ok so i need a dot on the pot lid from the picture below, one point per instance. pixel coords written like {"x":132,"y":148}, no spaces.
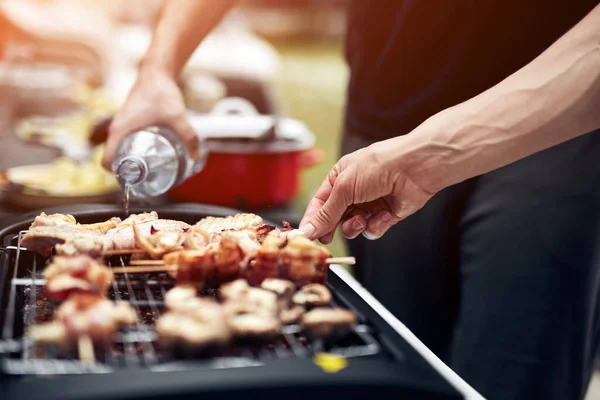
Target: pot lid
{"x":234,"y":126}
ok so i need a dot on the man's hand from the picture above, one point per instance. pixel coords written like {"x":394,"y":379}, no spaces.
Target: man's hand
{"x":155,"y":99}
{"x":367,"y":192}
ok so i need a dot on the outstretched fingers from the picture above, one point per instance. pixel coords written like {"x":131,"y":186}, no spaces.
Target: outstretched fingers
{"x":326,"y":208}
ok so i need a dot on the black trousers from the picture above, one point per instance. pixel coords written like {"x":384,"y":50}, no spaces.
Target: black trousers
{"x":499,"y":275}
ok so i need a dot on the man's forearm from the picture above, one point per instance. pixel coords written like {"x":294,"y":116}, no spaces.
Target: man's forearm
{"x":182,"y":26}
{"x":551,"y":100}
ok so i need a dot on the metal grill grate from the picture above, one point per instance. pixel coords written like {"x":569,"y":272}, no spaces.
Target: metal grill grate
{"x":25,"y":305}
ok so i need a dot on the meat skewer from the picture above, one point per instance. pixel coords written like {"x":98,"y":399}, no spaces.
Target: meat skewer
{"x":158,"y":243}
{"x":67,"y":275}
{"x":69,"y":238}
{"x":330,"y":260}
{"x":85,"y":348}
{"x":81,"y":315}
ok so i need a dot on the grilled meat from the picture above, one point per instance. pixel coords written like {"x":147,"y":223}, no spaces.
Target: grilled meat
{"x":67,"y":275}
{"x":69,"y":238}
{"x":303,"y":261}
{"x":217,"y":262}
{"x":42,"y":239}
{"x":235,"y":222}
{"x":85,"y":314}
{"x":66,"y":220}
{"x":159,"y":243}
{"x":123,"y":235}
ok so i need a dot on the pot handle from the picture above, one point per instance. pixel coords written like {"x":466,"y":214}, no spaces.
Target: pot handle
{"x":234,"y":105}
{"x":312,"y":157}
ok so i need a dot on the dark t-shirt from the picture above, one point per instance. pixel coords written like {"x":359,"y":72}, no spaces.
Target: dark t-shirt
{"x":410,"y":59}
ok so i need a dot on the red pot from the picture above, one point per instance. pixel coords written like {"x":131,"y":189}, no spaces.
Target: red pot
{"x":248,"y":180}
{"x":245,"y":170}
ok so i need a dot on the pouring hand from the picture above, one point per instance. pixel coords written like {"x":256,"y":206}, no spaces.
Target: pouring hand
{"x":155,"y":99}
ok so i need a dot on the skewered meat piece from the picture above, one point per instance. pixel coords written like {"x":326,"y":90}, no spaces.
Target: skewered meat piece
{"x":287,"y":232}
{"x":123,"y":235}
{"x":53,"y":220}
{"x":197,"y":238}
{"x":236,"y":222}
{"x":312,"y":295}
{"x":247,"y":320}
{"x":193,"y":267}
{"x":191,"y":321}
{"x":158,"y":243}
{"x":101,"y":227}
{"x":140,"y":218}
{"x":42,"y":239}
{"x":85,"y":314}
{"x":246,"y":238}
{"x":303,"y":261}
{"x":69,"y":238}
{"x":217,"y":262}
{"x":328,"y":323}
{"x":66,"y":275}
{"x":66,"y":220}
{"x":288,"y":235}
{"x":260,"y":232}
{"x":266,"y":263}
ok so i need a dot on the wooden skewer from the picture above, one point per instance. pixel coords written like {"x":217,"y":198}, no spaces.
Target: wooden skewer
{"x":123,"y":252}
{"x":146,"y":262}
{"x":149,"y":266}
{"x":86,"y":350}
{"x":332,"y":260}
{"x":341,"y":260}
{"x":143,"y":269}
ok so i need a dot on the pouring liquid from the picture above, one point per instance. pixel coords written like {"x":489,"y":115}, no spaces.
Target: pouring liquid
{"x":126,"y":197}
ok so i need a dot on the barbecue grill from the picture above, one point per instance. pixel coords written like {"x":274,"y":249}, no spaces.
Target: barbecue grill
{"x":380,"y":354}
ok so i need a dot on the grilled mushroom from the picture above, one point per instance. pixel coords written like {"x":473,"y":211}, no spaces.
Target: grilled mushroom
{"x":246,"y":320}
{"x":192,"y":322}
{"x":328,"y":323}
{"x":312,"y":295}
{"x":178,"y":297}
{"x":234,"y":290}
{"x":284,"y":289}
{"x":291,"y":315}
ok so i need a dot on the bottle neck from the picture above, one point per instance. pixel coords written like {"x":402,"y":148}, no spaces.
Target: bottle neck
{"x":131,"y":170}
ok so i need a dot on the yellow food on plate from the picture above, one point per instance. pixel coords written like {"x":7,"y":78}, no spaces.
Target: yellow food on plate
{"x":65,"y":177}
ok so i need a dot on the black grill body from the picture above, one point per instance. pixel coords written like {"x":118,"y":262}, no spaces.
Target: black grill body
{"x":380,"y":361}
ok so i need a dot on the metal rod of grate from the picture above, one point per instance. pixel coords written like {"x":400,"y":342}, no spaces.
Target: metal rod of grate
{"x":139,"y":343}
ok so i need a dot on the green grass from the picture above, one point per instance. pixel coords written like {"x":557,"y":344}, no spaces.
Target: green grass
{"x":312,"y":88}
